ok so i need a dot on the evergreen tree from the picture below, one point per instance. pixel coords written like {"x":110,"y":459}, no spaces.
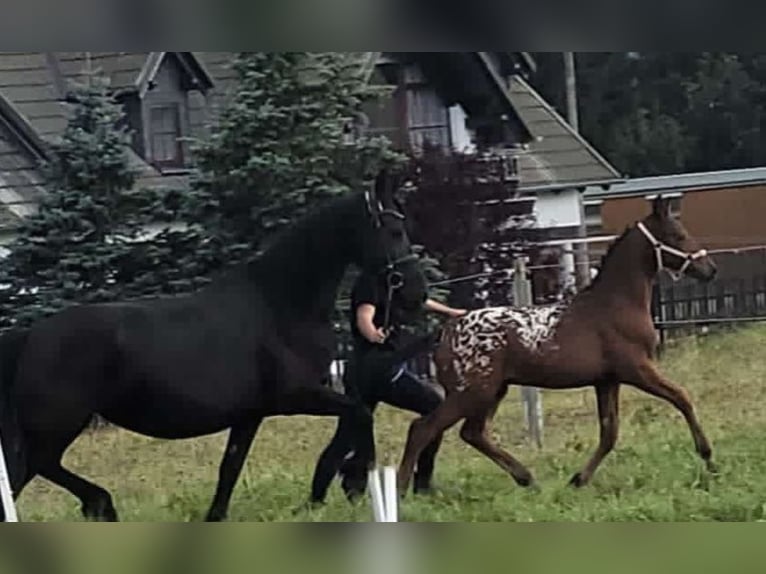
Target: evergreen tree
{"x":662,"y":113}
{"x":72,"y":248}
{"x":280,"y":147}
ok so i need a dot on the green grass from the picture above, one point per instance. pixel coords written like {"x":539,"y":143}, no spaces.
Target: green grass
{"x":653,"y":475}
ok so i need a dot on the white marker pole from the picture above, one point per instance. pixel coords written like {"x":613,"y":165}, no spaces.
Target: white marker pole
{"x":384,"y":497}
{"x":376,"y":493}
{"x":389,"y":492}
{"x":9,"y":507}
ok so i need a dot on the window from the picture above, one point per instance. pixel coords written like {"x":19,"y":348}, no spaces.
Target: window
{"x":428,"y":118}
{"x":675,"y":206}
{"x":593,"y":218}
{"x":164,"y":134}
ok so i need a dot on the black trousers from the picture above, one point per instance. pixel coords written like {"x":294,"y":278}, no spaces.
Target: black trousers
{"x":374,"y":379}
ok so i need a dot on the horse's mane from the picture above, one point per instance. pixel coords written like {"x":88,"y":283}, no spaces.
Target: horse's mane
{"x":326,"y":216}
{"x":605,"y":258}
{"x":279,"y":250}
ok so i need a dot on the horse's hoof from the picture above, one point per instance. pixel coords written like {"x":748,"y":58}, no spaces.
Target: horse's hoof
{"x":712,"y":467}
{"x":427,"y":490}
{"x":308,"y":506}
{"x":527,"y":481}
{"x":101,"y":511}
{"x":578,"y":481}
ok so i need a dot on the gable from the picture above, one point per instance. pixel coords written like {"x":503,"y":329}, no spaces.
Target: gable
{"x":558,"y":157}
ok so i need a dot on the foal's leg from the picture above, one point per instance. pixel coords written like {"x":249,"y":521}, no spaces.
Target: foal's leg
{"x":476,"y":433}
{"x":412,"y":394}
{"x":237,"y":448}
{"x":608,"y":417}
{"x":426,"y":429}
{"x":647,"y":378}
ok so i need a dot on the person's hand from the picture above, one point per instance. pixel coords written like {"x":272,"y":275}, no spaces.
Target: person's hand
{"x":378,"y":336}
{"x":457,"y":313}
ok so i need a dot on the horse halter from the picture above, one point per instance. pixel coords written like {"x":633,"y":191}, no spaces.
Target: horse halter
{"x":376,"y":211}
{"x":394,"y":282}
{"x":660,"y":248}
{"x":394,"y":278}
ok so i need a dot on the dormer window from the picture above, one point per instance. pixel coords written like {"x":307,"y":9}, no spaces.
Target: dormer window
{"x":165,"y":107}
{"x":165,"y":147}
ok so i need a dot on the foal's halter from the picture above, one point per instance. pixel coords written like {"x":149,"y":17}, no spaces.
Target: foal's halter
{"x":660,"y":248}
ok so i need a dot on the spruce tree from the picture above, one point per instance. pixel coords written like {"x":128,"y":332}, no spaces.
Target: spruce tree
{"x":71,"y":249}
{"x":280,"y":147}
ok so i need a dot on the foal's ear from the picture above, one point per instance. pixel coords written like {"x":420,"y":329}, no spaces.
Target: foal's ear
{"x":661,"y":207}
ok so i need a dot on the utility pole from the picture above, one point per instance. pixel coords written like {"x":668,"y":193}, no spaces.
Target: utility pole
{"x":582,"y":261}
{"x":571,"y":89}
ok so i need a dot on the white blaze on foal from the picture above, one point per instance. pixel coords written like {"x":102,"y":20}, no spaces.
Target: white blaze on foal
{"x":479,"y":333}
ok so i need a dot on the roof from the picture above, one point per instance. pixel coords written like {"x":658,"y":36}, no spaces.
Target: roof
{"x":681,"y":182}
{"x":21,"y":182}
{"x":558,"y":157}
{"x":33,"y":88}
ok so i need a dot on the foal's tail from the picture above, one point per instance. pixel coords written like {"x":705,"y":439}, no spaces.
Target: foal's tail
{"x":11,"y":346}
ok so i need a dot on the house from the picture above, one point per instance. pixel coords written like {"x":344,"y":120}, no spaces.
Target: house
{"x":458,"y":100}
{"x":167,"y":96}
{"x":724,"y":209}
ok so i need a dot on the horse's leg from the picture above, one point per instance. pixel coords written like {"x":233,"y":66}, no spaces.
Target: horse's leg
{"x":47,"y":442}
{"x":322,"y":401}
{"x":237,"y":448}
{"x":331,"y":460}
{"x":475,"y":432}
{"x":96,"y":501}
{"x":646,"y":377}
{"x":426,"y":429}
{"x":608,"y":397}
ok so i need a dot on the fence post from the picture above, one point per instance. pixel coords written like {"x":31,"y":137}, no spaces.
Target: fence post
{"x":530,"y":396}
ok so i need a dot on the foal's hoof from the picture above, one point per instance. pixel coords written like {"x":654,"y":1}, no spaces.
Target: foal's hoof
{"x":578,"y":481}
{"x":712,"y":467}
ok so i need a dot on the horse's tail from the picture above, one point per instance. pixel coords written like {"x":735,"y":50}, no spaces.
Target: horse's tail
{"x":11,"y":346}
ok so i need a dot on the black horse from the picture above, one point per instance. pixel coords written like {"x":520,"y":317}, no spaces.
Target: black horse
{"x":257,"y":342}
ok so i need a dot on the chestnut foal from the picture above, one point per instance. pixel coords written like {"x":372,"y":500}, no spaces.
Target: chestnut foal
{"x":603,"y":338}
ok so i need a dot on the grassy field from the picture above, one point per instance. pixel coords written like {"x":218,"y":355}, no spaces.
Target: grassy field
{"x":653,"y":475}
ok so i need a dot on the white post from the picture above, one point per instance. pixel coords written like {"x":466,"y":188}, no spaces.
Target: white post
{"x":389,"y":493}
{"x":568,"y":267}
{"x":376,"y":494}
{"x":383,"y":496}
{"x":530,"y":396}
{"x":9,"y":507}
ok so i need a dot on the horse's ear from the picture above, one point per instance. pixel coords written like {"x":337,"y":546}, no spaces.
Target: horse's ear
{"x":382,"y":185}
{"x":661,"y":207}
